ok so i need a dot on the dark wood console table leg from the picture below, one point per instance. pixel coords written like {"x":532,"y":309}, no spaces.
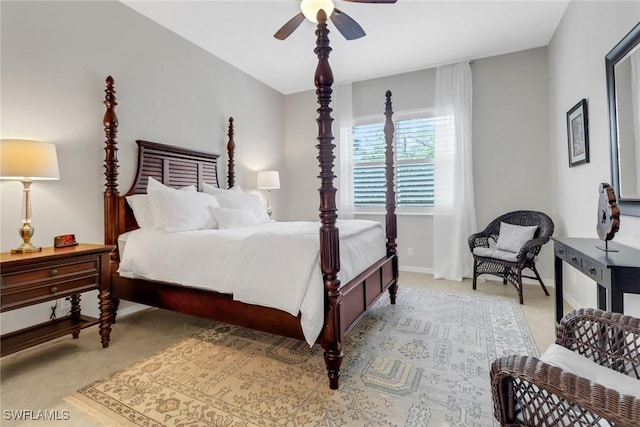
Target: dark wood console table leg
{"x":558,"y":279}
{"x":602,"y":298}
{"x":615,"y":298}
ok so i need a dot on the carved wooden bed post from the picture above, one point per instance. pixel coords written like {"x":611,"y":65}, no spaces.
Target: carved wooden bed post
{"x":111,"y":208}
{"x":111,"y":194}
{"x":391,"y":227}
{"x":332,"y":337}
{"x":231,"y":148}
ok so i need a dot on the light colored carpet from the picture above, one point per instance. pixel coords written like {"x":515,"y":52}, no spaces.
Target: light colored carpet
{"x":424,"y":361}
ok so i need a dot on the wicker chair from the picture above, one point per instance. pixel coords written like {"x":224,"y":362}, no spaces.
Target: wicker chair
{"x":510,"y":267}
{"x":529,"y":392}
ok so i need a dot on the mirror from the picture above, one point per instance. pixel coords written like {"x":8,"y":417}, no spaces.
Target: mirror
{"x":623,"y":93}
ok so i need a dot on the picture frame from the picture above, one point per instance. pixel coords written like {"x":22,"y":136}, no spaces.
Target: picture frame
{"x":578,"y":134}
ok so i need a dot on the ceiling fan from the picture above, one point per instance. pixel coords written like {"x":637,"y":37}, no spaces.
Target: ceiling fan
{"x":349,"y":28}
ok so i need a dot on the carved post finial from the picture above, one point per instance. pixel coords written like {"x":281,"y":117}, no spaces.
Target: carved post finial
{"x":110,"y":122}
{"x":231,"y":148}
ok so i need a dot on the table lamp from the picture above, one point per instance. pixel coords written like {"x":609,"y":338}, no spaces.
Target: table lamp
{"x":27,"y":161}
{"x":268,"y":180}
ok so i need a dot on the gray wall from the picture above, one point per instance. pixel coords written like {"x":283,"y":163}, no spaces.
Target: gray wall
{"x":55,"y":58}
{"x":510,"y":139}
{"x":587,"y":32}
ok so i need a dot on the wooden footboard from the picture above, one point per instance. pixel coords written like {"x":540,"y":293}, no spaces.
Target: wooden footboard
{"x":363,"y":291}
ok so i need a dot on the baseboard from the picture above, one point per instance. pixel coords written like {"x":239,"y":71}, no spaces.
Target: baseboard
{"x":571,"y":301}
{"x":549,"y":283}
{"x":131,"y":309}
{"x":411,"y":269}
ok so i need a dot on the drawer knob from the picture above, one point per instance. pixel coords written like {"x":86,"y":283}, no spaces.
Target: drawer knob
{"x":560,"y":251}
{"x":574,"y":258}
{"x":53,"y":272}
{"x":53,"y":289}
{"x":592,"y":270}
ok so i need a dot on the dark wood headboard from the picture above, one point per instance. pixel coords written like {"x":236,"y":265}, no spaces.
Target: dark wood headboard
{"x":171,"y":165}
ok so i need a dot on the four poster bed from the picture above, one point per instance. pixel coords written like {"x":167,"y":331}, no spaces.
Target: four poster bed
{"x":342,"y":304}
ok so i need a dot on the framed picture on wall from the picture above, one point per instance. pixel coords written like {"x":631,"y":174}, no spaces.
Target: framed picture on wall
{"x":578,"y":133}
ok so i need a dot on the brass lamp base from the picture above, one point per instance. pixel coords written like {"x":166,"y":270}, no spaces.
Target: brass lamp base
{"x":26,"y":232}
{"x":25,"y":249}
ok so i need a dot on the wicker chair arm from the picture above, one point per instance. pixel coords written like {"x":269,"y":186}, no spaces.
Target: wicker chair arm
{"x":531,"y":248}
{"x":531,"y":382}
{"x":480,"y":239}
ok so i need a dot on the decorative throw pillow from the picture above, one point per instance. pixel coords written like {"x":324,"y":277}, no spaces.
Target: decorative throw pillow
{"x":233,"y":218}
{"x":183,"y":210}
{"x":512,"y":237}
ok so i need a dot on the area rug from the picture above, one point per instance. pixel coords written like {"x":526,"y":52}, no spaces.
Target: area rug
{"x":423,"y":362}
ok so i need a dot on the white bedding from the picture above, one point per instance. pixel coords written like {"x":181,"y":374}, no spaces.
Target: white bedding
{"x":275,"y":264}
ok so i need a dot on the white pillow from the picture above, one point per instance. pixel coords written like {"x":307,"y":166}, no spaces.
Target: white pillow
{"x":154,"y":183}
{"x":234,"y":200}
{"x":512,"y":237}
{"x":233,"y":218}
{"x":211,"y":189}
{"x":141,"y":207}
{"x":183,"y":210}
{"x":579,"y":365}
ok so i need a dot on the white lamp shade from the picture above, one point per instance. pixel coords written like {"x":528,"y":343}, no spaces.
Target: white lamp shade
{"x":310,"y":8}
{"x":22,"y":159}
{"x":268,"y":180}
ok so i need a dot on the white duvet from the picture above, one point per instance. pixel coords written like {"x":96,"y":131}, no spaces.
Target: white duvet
{"x":275,"y":264}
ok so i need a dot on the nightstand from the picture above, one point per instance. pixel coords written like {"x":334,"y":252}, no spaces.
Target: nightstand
{"x":28,"y":279}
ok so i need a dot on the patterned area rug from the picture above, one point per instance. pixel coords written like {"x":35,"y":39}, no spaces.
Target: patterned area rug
{"x":423,"y":362}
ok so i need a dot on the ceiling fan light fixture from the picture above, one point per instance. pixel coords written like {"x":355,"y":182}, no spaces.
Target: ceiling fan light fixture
{"x":310,"y":8}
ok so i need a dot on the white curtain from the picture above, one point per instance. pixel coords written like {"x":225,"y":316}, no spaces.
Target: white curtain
{"x":635,"y":99}
{"x":343,"y":113}
{"x":454,"y":206}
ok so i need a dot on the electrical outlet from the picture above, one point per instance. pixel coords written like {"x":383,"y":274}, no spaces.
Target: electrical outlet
{"x":65,"y":305}
{"x":410,"y":251}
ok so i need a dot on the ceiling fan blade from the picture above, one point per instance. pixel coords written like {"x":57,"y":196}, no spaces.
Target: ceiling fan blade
{"x":372,"y":1}
{"x":349,"y":28}
{"x":289,"y":27}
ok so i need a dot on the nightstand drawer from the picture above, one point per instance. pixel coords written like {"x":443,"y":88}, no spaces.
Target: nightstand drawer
{"x":47,"y":281}
{"x":48,"y":290}
{"x":40,"y":274}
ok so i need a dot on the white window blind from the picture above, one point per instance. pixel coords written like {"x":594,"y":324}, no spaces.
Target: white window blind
{"x":414,"y":146}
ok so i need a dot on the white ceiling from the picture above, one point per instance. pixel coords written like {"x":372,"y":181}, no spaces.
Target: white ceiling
{"x":406,"y":36}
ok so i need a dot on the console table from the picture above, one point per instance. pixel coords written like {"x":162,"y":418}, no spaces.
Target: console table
{"x":615,"y":273}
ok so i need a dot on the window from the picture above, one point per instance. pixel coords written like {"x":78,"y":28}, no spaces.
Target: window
{"x":414,"y":146}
